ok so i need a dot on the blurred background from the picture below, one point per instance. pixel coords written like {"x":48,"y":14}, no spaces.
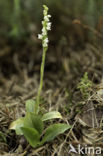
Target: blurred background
{"x":74,"y":24}
{"x":70,"y":17}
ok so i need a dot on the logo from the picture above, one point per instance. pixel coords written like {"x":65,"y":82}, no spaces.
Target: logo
{"x":84,"y":150}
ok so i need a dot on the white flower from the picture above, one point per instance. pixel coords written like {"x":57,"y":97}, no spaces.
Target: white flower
{"x":45,"y":45}
{"x":46,"y":27}
{"x":46,"y":18}
{"x":44,"y":32}
{"x":42,"y":22}
{"x":45,"y":12}
{"x":49,"y":16}
{"x":40,"y":36}
{"x":49,"y":26}
{"x":45,"y":42}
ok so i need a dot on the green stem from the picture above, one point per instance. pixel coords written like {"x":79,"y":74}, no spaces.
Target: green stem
{"x":41,"y":81}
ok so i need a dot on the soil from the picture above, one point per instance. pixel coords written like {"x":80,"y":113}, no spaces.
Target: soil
{"x":64,"y":68}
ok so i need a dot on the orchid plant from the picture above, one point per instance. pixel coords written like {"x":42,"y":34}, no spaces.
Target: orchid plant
{"x":32,"y":125}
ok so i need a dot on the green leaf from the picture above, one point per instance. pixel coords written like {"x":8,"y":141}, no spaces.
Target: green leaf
{"x":30,"y":105}
{"x":51,"y":115}
{"x":34,"y":121}
{"x":54,"y":130}
{"x":16,"y":125}
{"x":30,"y":120}
{"x":31,"y":135}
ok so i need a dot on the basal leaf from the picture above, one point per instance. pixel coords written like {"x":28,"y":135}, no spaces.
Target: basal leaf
{"x":31,"y":135}
{"x":30,"y":105}
{"x":34,"y":121}
{"x":30,"y":120}
{"x":51,"y":115}
{"x":54,"y":130}
{"x":16,"y":125}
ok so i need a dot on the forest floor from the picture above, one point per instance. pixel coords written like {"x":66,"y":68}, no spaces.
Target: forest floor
{"x":19,"y":81}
